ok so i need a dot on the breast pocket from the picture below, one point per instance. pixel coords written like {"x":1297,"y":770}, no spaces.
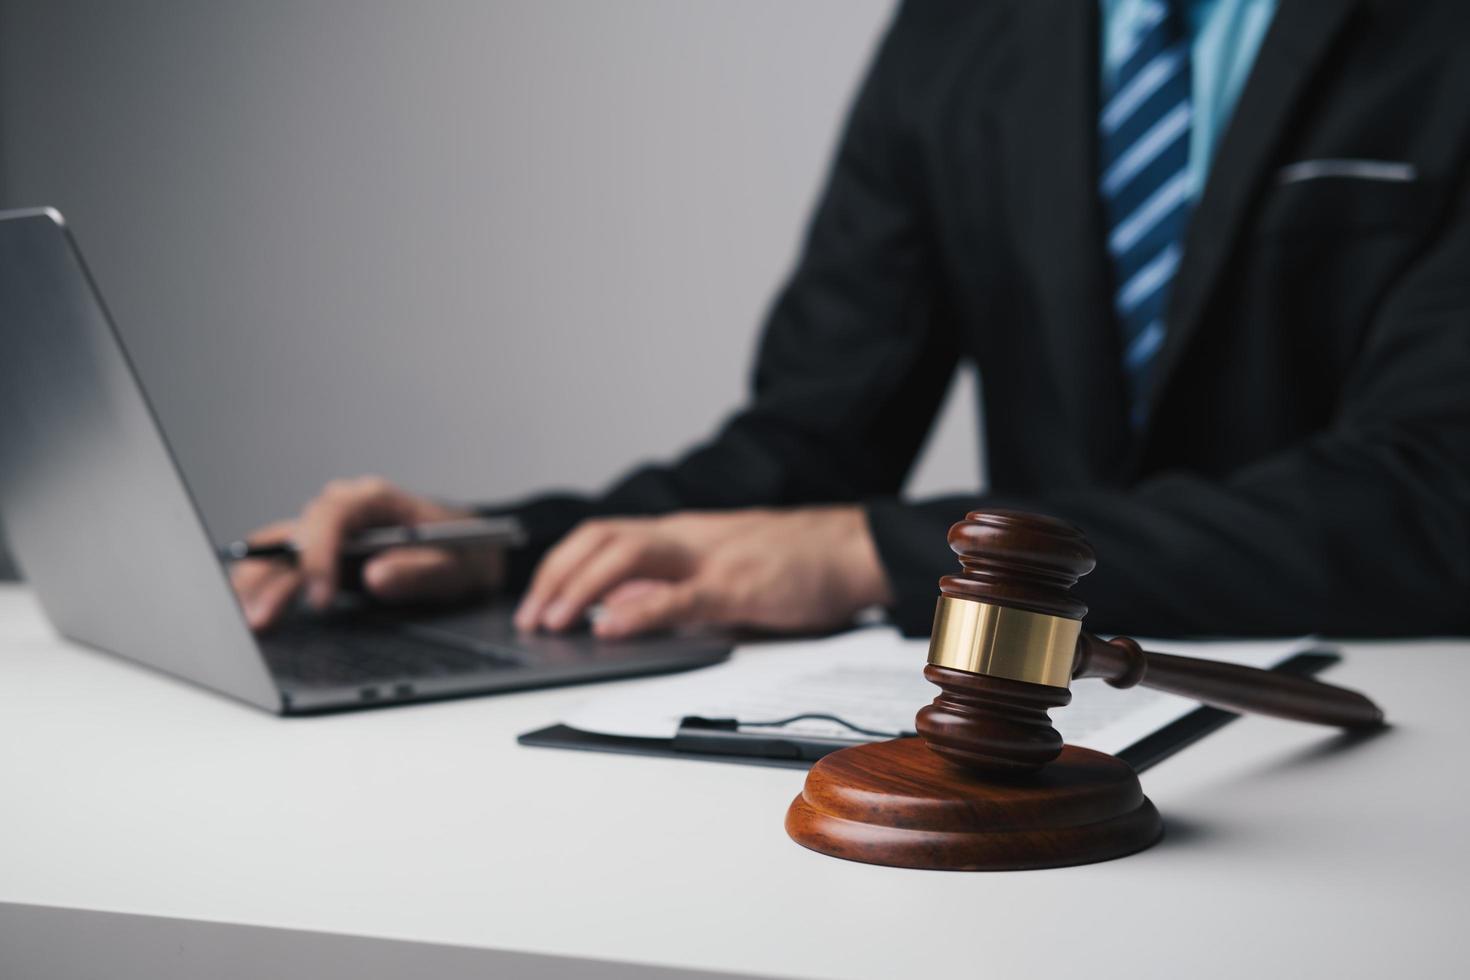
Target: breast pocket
{"x":1322,"y":253}
{"x":1328,"y":197}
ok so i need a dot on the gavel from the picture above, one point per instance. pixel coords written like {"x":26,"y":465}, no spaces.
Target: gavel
{"x":1008,"y":641}
{"x":988,"y":784}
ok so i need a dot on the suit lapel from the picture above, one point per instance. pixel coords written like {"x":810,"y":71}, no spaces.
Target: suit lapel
{"x":1047,"y":138}
{"x":1294,"y":47}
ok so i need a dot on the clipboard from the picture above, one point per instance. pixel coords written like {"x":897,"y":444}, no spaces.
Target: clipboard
{"x":720,"y":740}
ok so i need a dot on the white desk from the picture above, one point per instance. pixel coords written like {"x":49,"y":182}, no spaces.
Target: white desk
{"x":1289,"y":854}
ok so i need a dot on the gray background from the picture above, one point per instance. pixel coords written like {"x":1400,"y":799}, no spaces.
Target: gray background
{"x":478,"y":247}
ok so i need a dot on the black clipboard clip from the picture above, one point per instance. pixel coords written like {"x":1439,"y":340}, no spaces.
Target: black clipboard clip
{"x":764,"y":740}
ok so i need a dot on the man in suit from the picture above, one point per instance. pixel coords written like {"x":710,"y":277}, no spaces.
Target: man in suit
{"x":1212,"y":258}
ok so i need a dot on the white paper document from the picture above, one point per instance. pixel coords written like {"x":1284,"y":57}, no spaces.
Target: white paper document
{"x":873,"y":678}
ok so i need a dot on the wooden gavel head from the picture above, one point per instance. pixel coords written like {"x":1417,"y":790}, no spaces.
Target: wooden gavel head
{"x":988,"y":785}
{"x":1005,"y":639}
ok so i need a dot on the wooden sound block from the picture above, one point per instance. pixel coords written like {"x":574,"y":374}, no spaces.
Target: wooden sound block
{"x":899,"y":803}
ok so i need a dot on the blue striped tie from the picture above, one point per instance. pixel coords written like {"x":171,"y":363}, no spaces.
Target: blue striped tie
{"x":1143,"y":130}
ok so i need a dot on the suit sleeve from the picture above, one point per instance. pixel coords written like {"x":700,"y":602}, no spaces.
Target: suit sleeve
{"x":854,"y":359}
{"x":1362,"y":531}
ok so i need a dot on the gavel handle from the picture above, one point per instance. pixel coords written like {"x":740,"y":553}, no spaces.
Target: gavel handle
{"x":1122,"y":663}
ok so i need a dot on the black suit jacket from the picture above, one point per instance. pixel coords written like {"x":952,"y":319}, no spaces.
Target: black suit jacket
{"x":1306,"y":464}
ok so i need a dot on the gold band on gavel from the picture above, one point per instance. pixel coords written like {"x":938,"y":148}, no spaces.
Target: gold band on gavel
{"x":999,"y":641}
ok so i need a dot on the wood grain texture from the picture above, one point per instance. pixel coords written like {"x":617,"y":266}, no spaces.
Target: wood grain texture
{"x":1026,"y":561}
{"x":900,"y":804}
{"x":1234,"y":687}
{"x":990,"y":724}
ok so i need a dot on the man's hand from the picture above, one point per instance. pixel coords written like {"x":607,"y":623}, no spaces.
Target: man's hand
{"x":414,"y":574}
{"x":793,"y":570}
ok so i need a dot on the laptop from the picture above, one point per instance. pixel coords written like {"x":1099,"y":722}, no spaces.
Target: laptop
{"x":101,"y":521}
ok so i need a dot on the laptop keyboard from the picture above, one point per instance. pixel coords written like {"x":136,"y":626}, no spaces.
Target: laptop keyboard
{"x":312,"y":655}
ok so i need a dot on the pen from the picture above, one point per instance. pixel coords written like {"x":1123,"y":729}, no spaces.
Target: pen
{"x":466,"y":533}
